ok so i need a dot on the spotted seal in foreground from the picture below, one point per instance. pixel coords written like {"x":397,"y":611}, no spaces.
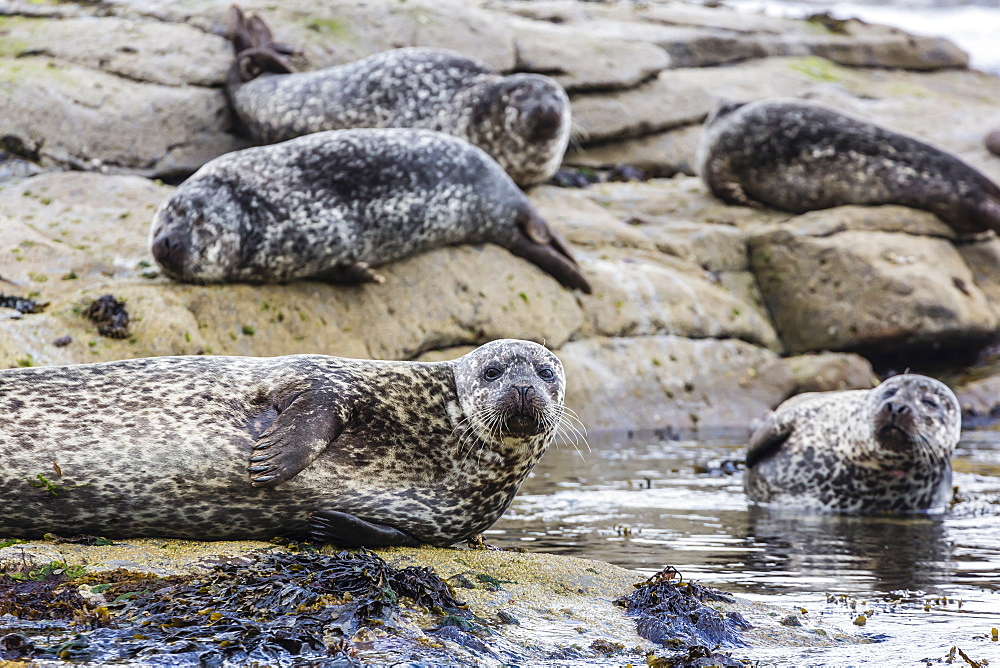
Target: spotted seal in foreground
{"x":885,"y":449}
{"x":798,"y":156}
{"x":521,"y":120}
{"x":351,"y":451}
{"x":332,"y":205}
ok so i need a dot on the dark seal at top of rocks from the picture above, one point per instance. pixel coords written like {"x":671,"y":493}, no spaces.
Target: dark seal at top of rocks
{"x":522,"y":120}
{"x":332,"y":205}
{"x":798,"y":156}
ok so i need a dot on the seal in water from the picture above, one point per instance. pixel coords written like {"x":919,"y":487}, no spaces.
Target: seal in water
{"x":332,"y":205}
{"x":521,"y":120}
{"x":350,"y":451}
{"x":799,"y":157}
{"x":885,"y":449}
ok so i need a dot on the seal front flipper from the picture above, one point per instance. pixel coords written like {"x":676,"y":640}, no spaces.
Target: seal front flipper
{"x":767,"y":439}
{"x":538,"y":243}
{"x":300,"y":432}
{"x":346,"y":530}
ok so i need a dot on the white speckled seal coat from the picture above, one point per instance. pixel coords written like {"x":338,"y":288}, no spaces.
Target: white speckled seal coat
{"x":885,"y":449}
{"x":351,"y":451}
{"x":332,"y":205}
{"x":521,"y":120}
{"x":798,"y":156}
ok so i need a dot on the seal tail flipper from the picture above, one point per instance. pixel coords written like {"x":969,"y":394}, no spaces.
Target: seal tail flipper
{"x":254,"y":45}
{"x":542,"y":246}
{"x":350,"y":531}
{"x":300,"y":432}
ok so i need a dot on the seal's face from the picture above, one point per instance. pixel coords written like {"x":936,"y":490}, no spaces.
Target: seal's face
{"x":536,"y":108}
{"x":511,"y":389}
{"x":915,"y":416}
{"x":195,"y":234}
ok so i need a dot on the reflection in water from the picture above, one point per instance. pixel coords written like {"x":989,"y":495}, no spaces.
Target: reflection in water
{"x":898,"y":552}
{"x":651,"y":503}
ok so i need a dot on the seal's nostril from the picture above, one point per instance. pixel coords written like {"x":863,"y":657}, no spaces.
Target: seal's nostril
{"x":168,"y":252}
{"x":546,"y":122}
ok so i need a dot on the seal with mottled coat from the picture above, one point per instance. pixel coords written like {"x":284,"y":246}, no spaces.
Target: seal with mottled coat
{"x":333,"y":205}
{"x":350,"y":451}
{"x":798,"y":156}
{"x":521,"y":120}
{"x":884,"y":449}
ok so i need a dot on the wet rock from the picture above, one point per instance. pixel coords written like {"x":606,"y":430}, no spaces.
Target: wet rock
{"x":980,"y":398}
{"x":582,"y":60}
{"x":828,"y":372}
{"x":874,"y":291}
{"x":656,"y":382}
{"x":983,"y":257}
{"x":673,"y":613}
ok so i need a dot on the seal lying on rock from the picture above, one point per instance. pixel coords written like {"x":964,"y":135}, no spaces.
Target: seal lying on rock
{"x":521,"y":120}
{"x":885,"y":449}
{"x":332,"y":205}
{"x":350,"y":451}
{"x":797,"y":156}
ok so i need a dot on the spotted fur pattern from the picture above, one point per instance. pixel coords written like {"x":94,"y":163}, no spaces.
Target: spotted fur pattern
{"x":798,"y":156}
{"x":163,"y":446}
{"x":521,"y":120}
{"x":886,"y":449}
{"x":331,"y":205}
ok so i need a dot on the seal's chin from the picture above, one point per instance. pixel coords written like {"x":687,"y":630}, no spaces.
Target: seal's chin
{"x":895,"y":437}
{"x":522,"y":425}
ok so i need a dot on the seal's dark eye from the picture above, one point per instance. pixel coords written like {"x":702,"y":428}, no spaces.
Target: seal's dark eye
{"x":890,"y":393}
{"x":492,"y":372}
{"x":546,"y":373}
{"x":930,"y":403}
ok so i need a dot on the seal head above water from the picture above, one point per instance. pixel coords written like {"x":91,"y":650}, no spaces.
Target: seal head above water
{"x":521,"y":120}
{"x":885,"y":449}
{"x":332,"y":205}
{"x":350,"y":451}
{"x":798,"y":156}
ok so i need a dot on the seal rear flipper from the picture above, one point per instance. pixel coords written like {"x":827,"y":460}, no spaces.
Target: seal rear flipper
{"x":255,"y":48}
{"x":767,"y":439}
{"x":542,"y":246}
{"x":346,"y":530}
{"x":297,"y":436}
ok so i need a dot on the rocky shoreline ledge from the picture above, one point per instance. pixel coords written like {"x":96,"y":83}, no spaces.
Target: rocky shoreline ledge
{"x":704,"y":315}
{"x":518,"y":607}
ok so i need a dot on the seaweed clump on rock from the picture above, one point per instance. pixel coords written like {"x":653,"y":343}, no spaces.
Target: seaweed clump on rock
{"x":673,"y":613}
{"x":110,"y":315}
{"x":271,"y":608}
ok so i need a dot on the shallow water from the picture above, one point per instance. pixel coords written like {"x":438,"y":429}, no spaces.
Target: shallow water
{"x":929,"y":582}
